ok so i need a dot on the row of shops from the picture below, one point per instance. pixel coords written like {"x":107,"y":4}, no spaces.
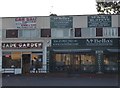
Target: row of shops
{"x":67,"y":44}
{"x":90,"y":55}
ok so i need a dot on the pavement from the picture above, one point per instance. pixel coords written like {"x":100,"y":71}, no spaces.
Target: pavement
{"x":60,"y":80}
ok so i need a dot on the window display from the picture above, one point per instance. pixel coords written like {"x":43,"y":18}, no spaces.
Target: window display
{"x":10,"y":60}
{"x":110,"y":63}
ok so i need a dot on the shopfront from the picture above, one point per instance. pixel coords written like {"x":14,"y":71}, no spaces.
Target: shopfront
{"x":95,"y":55}
{"x":19,"y":58}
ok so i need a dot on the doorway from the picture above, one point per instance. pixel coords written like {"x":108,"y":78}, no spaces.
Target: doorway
{"x":26,"y":63}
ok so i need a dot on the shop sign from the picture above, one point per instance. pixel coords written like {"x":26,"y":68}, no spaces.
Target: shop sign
{"x":23,"y":45}
{"x":99,"y":42}
{"x":99,"y":21}
{"x":25,"y":22}
{"x":65,"y":42}
{"x":61,"y":22}
{"x":85,"y":42}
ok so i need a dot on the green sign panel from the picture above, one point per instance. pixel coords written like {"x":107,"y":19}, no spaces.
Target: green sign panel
{"x":61,"y":22}
{"x":85,"y":42}
{"x":99,"y":21}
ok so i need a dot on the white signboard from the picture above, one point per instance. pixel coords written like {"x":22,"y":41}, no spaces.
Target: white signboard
{"x":25,"y":22}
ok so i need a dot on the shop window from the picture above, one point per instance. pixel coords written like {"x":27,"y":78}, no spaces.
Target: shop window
{"x":110,"y":62}
{"x":45,"y":32}
{"x":75,"y":62}
{"x":77,"y":32}
{"x":88,"y":63}
{"x":10,"y":60}
{"x":11,"y":33}
{"x":36,"y":58}
{"x":118,"y":31}
{"x":87,"y":60}
{"x":99,"y":32}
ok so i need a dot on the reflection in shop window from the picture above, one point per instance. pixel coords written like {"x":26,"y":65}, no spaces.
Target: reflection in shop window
{"x":39,"y":56}
{"x":87,"y":60}
{"x":110,"y":62}
{"x":88,"y":63}
{"x":79,"y":61}
{"x":10,"y":60}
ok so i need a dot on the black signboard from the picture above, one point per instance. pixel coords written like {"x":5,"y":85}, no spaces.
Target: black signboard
{"x":99,"y":21}
{"x":85,"y":42}
{"x":61,"y":22}
{"x":22,"y":45}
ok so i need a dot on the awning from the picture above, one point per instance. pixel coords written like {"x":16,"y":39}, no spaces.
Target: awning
{"x":113,"y":50}
{"x":72,"y":50}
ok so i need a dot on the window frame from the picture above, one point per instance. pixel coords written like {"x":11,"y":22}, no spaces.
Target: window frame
{"x":8,"y":32}
{"x":45,"y":36}
{"x":80,"y":32}
{"x":99,"y":32}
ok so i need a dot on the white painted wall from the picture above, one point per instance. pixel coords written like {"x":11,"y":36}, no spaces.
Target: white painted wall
{"x":79,"y":21}
{"x":114,"y":20}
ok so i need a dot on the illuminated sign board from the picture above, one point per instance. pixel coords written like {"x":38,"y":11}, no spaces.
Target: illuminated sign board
{"x":25,"y":22}
{"x":99,"y":21}
{"x":22,"y":45}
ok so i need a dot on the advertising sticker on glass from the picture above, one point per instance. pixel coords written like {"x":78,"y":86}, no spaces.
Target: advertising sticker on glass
{"x":25,"y":22}
{"x":99,"y":21}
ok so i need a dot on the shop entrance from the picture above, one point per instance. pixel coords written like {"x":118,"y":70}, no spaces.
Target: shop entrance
{"x":26,"y":63}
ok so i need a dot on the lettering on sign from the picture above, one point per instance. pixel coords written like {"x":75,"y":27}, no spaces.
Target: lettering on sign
{"x":25,"y":22}
{"x":64,"y":42}
{"x":99,"y":42}
{"x":99,"y":21}
{"x":61,"y":22}
{"x":22,"y":45}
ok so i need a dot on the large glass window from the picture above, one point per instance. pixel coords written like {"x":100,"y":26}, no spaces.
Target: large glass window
{"x":34,"y":57}
{"x":76,"y":62}
{"x":45,"y":32}
{"x":11,"y":33}
{"x":110,"y":62}
{"x":88,"y":63}
{"x":10,"y":60}
{"x":99,"y":32}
